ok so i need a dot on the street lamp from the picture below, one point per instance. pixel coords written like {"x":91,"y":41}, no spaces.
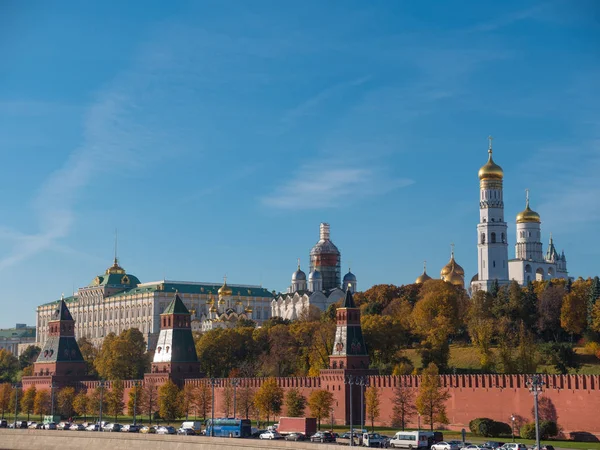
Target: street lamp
{"x":213,"y":383}
{"x":351,"y":381}
{"x":101,"y":385}
{"x":136,"y":385}
{"x":235,"y":383}
{"x":419,"y":421}
{"x":363,"y":382}
{"x":52,"y":387}
{"x":535,"y":385}
{"x":512,"y":418}
{"x":16,"y":388}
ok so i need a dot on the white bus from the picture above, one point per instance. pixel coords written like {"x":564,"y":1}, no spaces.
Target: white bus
{"x":410,"y":440}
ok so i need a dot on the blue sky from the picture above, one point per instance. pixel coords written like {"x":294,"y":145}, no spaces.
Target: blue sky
{"x":217,"y":135}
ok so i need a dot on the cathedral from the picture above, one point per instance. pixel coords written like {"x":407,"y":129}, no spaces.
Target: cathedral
{"x":493,"y":266}
{"x":323,"y":286}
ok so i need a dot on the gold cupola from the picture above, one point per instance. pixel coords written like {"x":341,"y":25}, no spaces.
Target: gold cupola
{"x":423,"y":277}
{"x":528,"y":215}
{"x":490,"y":170}
{"x":224,"y":291}
{"x":115,"y":268}
{"x":452,"y":266}
{"x":454,"y":278}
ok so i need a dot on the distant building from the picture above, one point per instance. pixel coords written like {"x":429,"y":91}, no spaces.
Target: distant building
{"x":225,"y":313}
{"x":115,"y":301}
{"x":17,"y":339}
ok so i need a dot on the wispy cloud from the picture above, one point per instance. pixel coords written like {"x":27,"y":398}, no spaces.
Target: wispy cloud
{"x":326,"y":187}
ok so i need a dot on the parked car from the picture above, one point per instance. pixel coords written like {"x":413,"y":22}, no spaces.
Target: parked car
{"x":322,"y":436}
{"x":493,"y":444}
{"x":166,"y":430}
{"x":452,"y":445}
{"x":77,"y":427}
{"x":112,"y":427}
{"x":474,"y":447}
{"x":544,"y":447}
{"x":270,"y":434}
{"x":50,"y":426}
{"x":295,"y":437}
{"x":130,"y":428}
{"x":514,"y":446}
{"x":31,"y":425}
{"x":3,"y":423}
{"x":93,"y":427}
{"x":63,"y":426}
{"x":186,"y":431}
{"x":148,"y":430}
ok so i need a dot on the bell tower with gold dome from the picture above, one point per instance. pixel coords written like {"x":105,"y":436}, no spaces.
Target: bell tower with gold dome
{"x":492,"y":246}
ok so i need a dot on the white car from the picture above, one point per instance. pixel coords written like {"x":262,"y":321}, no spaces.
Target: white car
{"x":473,"y":447}
{"x":445,"y":446}
{"x":270,"y":435}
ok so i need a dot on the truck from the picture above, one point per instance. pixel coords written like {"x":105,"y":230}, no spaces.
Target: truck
{"x":305,"y":425}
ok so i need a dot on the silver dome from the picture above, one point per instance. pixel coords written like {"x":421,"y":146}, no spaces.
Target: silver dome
{"x":315,"y":275}
{"x":298,"y":275}
{"x":349,"y":277}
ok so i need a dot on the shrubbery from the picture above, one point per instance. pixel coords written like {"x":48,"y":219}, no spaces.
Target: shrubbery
{"x":548,"y":429}
{"x":487,"y":427}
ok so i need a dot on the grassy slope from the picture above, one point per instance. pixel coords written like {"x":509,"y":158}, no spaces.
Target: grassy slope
{"x":467,"y":358}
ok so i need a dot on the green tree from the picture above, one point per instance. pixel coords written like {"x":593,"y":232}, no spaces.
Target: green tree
{"x":593,"y":297}
{"x":431,"y":399}
{"x":203,"y":400}
{"x":64,"y":401}
{"x":404,"y":406}
{"x":561,"y":355}
{"x":27,"y":400}
{"x":295,"y":403}
{"x":527,"y":352}
{"x":41,"y":403}
{"x":5,"y":390}
{"x":481,"y":327}
{"x":89,"y":352}
{"x":80,"y":404}
{"x":114,"y":399}
{"x":168,"y":401}
{"x":373,"y":405}
{"x":29,"y":356}
{"x":269,"y":398}
{"x":320,"y":403}
{"x":9,"y":366}
{"x":122,"y":357}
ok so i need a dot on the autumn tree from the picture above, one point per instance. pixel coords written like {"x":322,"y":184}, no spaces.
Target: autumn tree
{"x":223,"y":349}
{"x":269,"y":398}
{"x":27,"y":401}
{"x":122,"y":357}
{"x":41,"y":403}
{"x":5,"y":390}
{"x":114,"y":399}
{"x":64,"y":401}
{"x":404,"y":406}
{"x":295,"y":403}
{"x":527,"y":353}
{"x":227,"y":399}
{"x":96,"y":398}
{"x":481,"y":327}
{"x":80,"y":404}
{"x":136,"y":399}
{"x":9,"y":366}
{"x":384,"y":337}
{"x":431,"y":399}
{"x":203,"y":399}
{"x":277,"y":361}
{"x":89,"y":352}
{"x":373,"y":405}
{"x":549,"y":310}
{"x":13,"y":404}
{"x":592,"y":300}
{"x":320,"y":403}
{"x":573,"y":313}
{"x":187,"y":396}
{"x":168,"y":401}
{"x":246,"y":400}
{"x":148,"y":401}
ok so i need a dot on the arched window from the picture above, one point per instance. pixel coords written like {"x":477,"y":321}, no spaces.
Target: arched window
{"x":483,"y":238}
{"x":493,"y":236}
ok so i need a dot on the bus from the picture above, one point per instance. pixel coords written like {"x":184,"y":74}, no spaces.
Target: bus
{"x":229,"y":427}
{"x":410,"y":440}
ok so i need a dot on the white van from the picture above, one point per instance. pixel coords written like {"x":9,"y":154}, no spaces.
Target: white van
{"x":410,"y":440}
{"x":196,"y":426}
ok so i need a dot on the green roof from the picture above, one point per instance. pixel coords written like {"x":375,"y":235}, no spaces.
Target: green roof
{"x":176,"y":307}
{"x":17,"y":332}
{"x":60,"y":349}
{"x":115,"y":279}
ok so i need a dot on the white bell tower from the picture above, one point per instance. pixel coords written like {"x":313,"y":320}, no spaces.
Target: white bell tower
{"x":492,"y":245}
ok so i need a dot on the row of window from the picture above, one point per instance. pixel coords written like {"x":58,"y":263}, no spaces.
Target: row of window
{"x":493,"y":238}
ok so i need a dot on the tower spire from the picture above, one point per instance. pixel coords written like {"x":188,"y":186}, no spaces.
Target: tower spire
{"x":490,"y":139}
{"x":527,"y":198}
{"x":298,"y":263}
{"x":425,"y":266}
{"x":452,"y":251}
{"x":116,"y":244}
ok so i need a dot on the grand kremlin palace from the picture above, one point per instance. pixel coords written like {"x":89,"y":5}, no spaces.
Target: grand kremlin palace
{"x":115,"y":301}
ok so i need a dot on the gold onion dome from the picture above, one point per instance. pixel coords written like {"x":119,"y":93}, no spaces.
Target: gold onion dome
{"x":454,"y":278}
{"x":423,"y":277}
{"x":528,"y":215}
{"x":452,"y":266}
{"x":115,"y":268}
{"x":225,"y":290}
{"x":490,"y":170}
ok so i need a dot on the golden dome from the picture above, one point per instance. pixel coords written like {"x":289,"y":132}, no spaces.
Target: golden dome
{"x":452,"y":266}
{"x":423,"y":277}
{"x":528,"y":215}
{"x":490,"y":170}
{"x":454,"y":278}
{"x":225,"y":290}
{"x":115,"y":268}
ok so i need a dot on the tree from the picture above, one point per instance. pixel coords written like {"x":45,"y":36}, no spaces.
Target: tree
{"x":64,"y":401}
{"x":149,"y":400}
{"x":29,"y":356}
{"x":41,"y":403}
{"x":203,"y":399}
{"x":269,"y":398}
{"x":9,"y":366}
{"x":550,"y":306}
{"x":114,"y":399}
{"x":295,"y":403}
{"x":404,"y":406}
{"x":136,"y":400}
{"x":122,"y":357}
{"x":431,"y":397}
{"x":246,"y":400}
{"x":573,"y":313}
{"x":89,"y":352}
{"x":80,"y":404}
{"x":593,"y":297}
{"x":5,"y":390}
{"x":27,"y":401}
{"x":561,"y":355}
{"x":320,"y":403}
{"x":13,"y":404}
{"x":96,"y":397}
{"x":372,"y":404}
{"x":527,"y":354}
{"x":168,"y":401}
{"x":227,"y":399}
{"x":187,"y":399}
{"x":481,"y":328}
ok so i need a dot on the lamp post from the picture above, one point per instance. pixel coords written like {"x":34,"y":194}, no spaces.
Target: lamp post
{"x":512,"y":427}
{"x":535,"y":385}
{"x":101,"y":385}
{"x":235,"y":383}
{"x":419,"y":421}
{"x":16,"y":388}
{"x":213,"y":382}
{"x":351,"y":381}
{"x":363,"y":382}
{"x":52,"y":387}
{"x":136,"y":386}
